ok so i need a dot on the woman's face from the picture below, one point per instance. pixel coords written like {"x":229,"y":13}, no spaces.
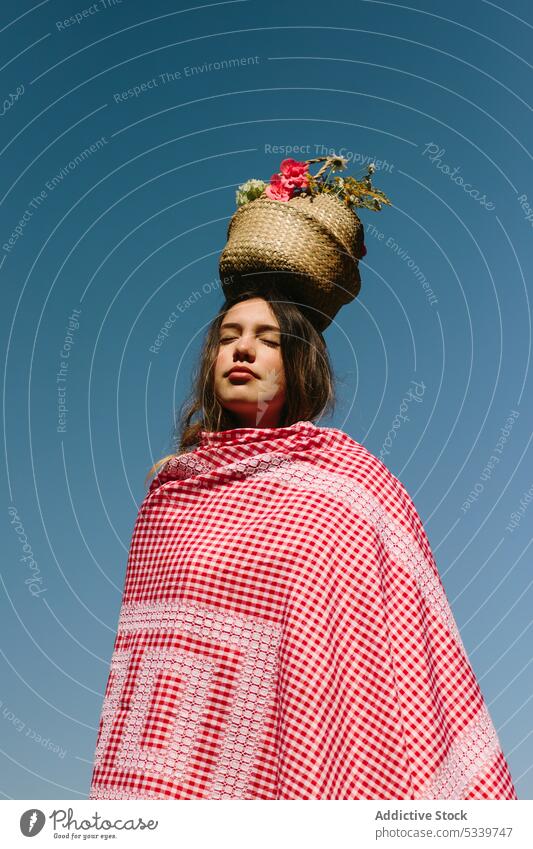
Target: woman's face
{"x":250,"y":338}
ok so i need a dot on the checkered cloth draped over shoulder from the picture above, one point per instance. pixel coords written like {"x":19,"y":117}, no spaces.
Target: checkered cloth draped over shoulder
{"x":285,"y":634}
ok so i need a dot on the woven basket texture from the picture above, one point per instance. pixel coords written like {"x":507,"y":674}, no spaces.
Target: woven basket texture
{"x":309,"y":246}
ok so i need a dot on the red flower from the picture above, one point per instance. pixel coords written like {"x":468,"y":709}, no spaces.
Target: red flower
{"x":363,"y":250}
{"x":278,"y":189}
{"x":294,"y":174}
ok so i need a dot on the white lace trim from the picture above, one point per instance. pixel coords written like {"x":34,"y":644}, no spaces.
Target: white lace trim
{"x":253,"y":642}
{"x":101,"y":792}
{"x":469,"y":754}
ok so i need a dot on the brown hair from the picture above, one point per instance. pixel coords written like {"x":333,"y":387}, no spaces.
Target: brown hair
{"x":308,"y":374}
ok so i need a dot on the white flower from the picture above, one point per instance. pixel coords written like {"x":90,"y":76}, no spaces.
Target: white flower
{"x":248,"y":191}
{"x":371,"y":168}
{"x":338,"y":163}
{"x":252,"y":184}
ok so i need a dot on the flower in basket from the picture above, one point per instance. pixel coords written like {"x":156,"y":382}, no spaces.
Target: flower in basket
{"x":250,"y":190}
{"x":294,"y":178}
{"x":278,"y":189}
{"x":294,"y":173}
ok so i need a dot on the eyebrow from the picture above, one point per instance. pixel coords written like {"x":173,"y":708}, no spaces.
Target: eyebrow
{"x":259,"y":326}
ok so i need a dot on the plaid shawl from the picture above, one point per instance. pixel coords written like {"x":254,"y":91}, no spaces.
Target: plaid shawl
{"x":285,"y":634}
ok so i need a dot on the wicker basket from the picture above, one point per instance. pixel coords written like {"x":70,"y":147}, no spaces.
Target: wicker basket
{"x":309,"y":246}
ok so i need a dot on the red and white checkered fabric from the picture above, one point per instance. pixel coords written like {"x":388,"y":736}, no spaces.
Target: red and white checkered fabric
{"x":285,"y":634}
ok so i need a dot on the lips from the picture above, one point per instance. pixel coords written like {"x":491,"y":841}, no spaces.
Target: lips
{"x":240,"y":371}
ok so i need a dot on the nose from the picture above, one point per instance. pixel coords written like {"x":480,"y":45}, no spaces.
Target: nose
{"x":245,"y":348}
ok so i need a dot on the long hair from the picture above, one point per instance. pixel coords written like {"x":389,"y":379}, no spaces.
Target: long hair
{"x":308,"y":374}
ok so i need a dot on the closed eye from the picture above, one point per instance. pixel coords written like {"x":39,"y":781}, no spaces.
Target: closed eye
{"x":266,"y":341}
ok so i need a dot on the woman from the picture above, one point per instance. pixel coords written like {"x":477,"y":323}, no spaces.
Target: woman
{"x":284,"y":633}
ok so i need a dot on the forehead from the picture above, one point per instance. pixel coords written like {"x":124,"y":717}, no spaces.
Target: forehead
{"x":252,"y":312}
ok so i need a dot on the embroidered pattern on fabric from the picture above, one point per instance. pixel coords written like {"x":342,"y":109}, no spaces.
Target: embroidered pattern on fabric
{"x":141,"y":749}
{"x":193,"y":465}
{"x":116,"y":679}
{"x":160,"y":739}
{"x":183,"y":465}
{"x":111,"y":793}
{"x":469,"y":753}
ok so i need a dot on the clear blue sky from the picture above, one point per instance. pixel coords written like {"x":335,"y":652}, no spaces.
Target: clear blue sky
{"x":125,"y":132}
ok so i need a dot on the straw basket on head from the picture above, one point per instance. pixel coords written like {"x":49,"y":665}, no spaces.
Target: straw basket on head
{"x":309,"y":246}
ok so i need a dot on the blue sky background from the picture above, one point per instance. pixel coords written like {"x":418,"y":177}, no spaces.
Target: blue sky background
{"x":134,"y":229}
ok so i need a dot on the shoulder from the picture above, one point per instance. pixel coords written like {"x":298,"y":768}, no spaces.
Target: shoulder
{"x":353,"y":460}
